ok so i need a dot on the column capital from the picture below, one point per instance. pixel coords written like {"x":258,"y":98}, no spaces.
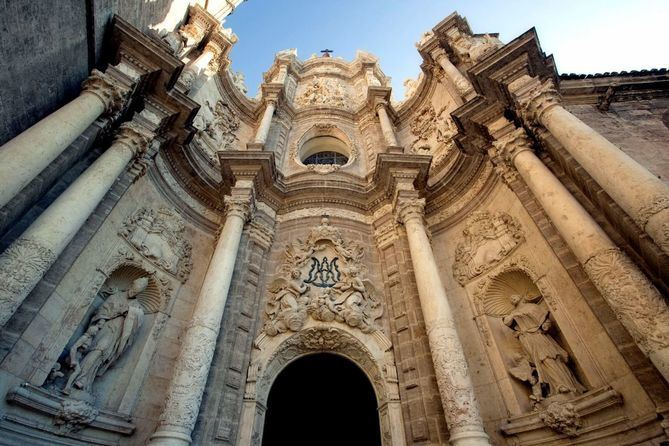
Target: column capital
{"x":409,"y":208}
{"x":135,"y":137}
{"x":240,"y":205}
{"x":510,"y":145}
{"x":533,"y":97}
{"x":111,"y":93}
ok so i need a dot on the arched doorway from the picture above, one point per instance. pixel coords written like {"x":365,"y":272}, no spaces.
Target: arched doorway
{"x":322,"y":399}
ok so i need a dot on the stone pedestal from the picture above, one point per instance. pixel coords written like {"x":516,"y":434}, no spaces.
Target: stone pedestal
{"x":450,"y":366}
{"x":631,"y":296}
{"x":641,"y":194}
{"x":25,"y":156}
{"x":25,"y":261}
{"x":192,"y":367}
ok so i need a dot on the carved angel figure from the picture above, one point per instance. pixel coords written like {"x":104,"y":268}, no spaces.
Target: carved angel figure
{"x":531,"y":323}
{"x":286,"y":308}
{"x":111,"y":331}
{"x":352,"y":303}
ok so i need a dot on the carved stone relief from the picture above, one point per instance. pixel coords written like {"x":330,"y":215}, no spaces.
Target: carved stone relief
{"x":471,"y":49}
{"x":217,"y":126}
{"x":433,"y":132}
{"x":323,"y":278}
{"x":324,"y":92}
{"x":159,"y":236}
{"x":488,"y":238}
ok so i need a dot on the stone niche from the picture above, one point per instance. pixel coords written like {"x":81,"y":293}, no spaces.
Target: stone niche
{"x":90,"y":395}
{"x":539,"y":376}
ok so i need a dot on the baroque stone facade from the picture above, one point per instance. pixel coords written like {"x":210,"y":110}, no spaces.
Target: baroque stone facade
{"x":491,"y":252}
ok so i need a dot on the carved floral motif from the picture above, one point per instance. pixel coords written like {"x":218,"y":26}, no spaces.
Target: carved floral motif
{"x":562,"y":417}
{"x":159,"y":236}
{"x":319,"y":287}
{"x":74,"y":415}
{"x":488,"y":238}
{"x":22,"y":265}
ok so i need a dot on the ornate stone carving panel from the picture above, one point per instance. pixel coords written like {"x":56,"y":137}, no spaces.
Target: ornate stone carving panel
{"x":488,"y":238}
{"x":159,"y":236}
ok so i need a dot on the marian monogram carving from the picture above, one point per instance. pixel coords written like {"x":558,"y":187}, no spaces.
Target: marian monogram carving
{"x":488,"y":238}
{"x":158,"y":236}
{"x":323,"y":279}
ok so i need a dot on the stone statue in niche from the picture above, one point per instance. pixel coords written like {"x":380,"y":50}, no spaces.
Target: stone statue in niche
{"x":326,"y":283}
{"x":433,"y":132}
{"x":159,"y":236}
{"x":544,"y":365}
{"x":471,"y":49}
{"x":488,"y":238}
{"x":111,"y":331}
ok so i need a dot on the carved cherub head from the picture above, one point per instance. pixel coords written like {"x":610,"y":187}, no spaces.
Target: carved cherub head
{"x":515,"y":299}
{"x":295,"y":273}
{"x":137,"y":286}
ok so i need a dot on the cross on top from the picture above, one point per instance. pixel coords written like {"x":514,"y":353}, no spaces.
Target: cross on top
{"x":326,"y":52}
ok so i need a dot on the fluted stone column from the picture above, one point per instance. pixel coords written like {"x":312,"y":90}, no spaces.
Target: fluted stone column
{"x":25,"y":156}
{"x":455,"y":386}
{"x":386,"y":126}
{"x":190,"y":373}
{"x":642,"y":195}
{"x":461,"y":83}
{"x":631,"y":296}
{"x":25,"y":261}
{"x":266,"y":122}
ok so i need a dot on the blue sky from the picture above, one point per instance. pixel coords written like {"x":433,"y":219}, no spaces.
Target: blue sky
{"x":585,"y":36}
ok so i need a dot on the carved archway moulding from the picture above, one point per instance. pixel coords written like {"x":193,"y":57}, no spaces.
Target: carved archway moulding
{"x":371,"y":352}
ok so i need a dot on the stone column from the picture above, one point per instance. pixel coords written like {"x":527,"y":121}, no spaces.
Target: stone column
{"x":642,"y":195}
{"x":455,"y":386}
{"x":631,"y":296}
{"x":266,"y":122}
{"x":386,"y":126}
{"x":25,"y":156}
{"x":25,"y":261}
{"x":192,"y":368}
{"x":461,"y":83}
{"x":210,"y":53}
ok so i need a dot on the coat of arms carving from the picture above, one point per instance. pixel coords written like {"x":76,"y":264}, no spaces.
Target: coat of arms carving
{"x":158,"y":235}
{"x":488,"y":238}
{"x":322,"y":278}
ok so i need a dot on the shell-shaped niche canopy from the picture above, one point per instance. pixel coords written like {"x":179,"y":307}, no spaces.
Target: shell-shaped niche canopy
{"x":497,"y":297}
{"x":123,"y":276}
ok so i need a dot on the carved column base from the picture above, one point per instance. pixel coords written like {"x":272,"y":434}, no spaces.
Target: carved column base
{"x":635,"y":301}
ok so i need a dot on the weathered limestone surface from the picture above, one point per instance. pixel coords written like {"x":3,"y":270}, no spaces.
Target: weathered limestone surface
{"x":447,"y":256}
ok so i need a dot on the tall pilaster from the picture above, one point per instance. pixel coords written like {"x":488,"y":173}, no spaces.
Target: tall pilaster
{"x":192,"y":367}
{"x":631,"y":296}
{"x":642,"y":195}
{"x":25,"y":156}
{"x":455,"y":386}
{"x":25,"y":261}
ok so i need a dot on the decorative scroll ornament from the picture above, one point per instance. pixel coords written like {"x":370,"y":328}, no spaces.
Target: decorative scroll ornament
{"x":488,"y":238}
{"x":323,"y":91}
{"x":159,"y":236}
{"x":325,"y":283}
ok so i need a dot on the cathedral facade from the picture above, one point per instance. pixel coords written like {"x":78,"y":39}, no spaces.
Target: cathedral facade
{"x":485,"y":262}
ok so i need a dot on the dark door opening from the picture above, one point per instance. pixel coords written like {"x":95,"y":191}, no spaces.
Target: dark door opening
{"x":322,"y":399}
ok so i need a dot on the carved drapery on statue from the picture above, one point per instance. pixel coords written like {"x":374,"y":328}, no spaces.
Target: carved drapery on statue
{"x":323,"y":279}
{"x":538,"y":360}
{"x":488,"y":238}
{"x":158,"y":235}
{"x":433,"y":132}
{"x":217,"y":126}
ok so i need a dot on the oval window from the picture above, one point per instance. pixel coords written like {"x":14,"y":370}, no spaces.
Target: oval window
{"x":327,"y":157}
